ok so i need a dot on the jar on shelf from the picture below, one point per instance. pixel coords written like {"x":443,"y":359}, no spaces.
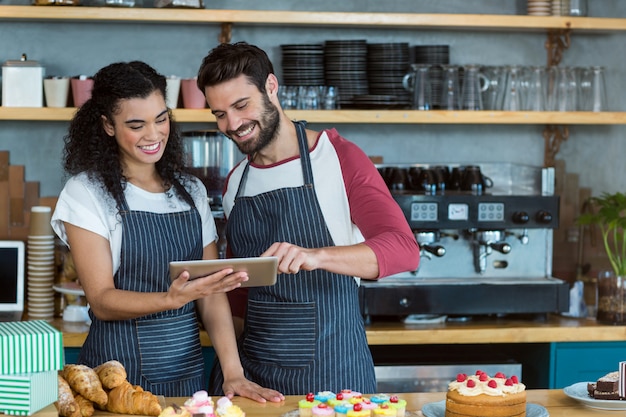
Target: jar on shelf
{"x":611,"y":298}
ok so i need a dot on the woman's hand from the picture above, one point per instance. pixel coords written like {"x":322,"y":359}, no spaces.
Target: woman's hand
{"x":246,"y":388}
{"x":184,"y":290}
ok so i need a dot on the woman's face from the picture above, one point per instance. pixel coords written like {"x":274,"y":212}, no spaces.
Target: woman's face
{"x":141,"y":128}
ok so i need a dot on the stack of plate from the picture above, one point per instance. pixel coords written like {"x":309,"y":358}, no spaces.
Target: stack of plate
{"x":303,"y":64}
{"x":541,"y":7}
{"x":345,"y":67}
{"x":436,"y":56}
{"x":387,"y":63}
{"x":40,"y":273}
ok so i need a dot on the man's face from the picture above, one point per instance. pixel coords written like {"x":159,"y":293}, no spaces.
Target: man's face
{"x":243,"y":113}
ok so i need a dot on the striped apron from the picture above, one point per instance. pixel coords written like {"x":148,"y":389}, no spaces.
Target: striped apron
{"x":305,"y":333}
{"x":161,"y":352}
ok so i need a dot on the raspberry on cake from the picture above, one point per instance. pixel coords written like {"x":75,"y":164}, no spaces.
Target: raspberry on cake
{"x":480,"y":395}
{"x":357,"y":410}
{"x":385,"y":410}
{"x":322,"y":410}
{"x":398,"y":404}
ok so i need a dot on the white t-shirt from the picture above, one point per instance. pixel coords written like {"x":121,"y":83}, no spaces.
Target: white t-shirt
{"x":86,"y":204}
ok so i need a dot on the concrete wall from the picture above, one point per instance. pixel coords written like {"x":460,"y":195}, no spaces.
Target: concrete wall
{"x":596,"y":153}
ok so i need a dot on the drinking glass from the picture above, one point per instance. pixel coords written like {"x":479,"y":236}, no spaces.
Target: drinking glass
{"x":536,"y":94}
{"x":597,"y":100}
{"x":450,"y":88}
{"x":512,"y":100}
{"x":472,"y":90}
{"x":495,"y":77}
{"x":564,"y":96}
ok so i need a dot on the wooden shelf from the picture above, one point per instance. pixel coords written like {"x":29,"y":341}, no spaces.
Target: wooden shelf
{"x":310,"y":18}
{"x":362,"y":116}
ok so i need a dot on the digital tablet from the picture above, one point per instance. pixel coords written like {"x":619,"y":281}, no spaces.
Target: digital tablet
{"x":261,"y":271}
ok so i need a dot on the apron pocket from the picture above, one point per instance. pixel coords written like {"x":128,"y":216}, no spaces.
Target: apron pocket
{"x":283,"y":334}
{"x":170,"y":348}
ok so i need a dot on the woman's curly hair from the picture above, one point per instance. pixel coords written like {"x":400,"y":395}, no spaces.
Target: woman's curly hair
{"x":88,"y":148}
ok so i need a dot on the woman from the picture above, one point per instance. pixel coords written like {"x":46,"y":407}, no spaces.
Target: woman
{"x":126,"y":212}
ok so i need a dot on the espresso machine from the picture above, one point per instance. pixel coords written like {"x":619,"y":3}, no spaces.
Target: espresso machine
{"x":485,"y":235}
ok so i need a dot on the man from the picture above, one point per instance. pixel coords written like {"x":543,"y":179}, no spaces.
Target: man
{"x":315,"y":201}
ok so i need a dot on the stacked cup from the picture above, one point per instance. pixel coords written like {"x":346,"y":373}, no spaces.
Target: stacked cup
{"x":40,"y":265}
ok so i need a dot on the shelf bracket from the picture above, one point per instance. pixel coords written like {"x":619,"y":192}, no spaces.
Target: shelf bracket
{"x":558,"y":41}
{"x":226,"y":33}
{"x":553,"y":137}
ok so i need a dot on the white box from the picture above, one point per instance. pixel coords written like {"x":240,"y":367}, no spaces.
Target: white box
{"x":25,"y":394}
{"x":22,"y":83}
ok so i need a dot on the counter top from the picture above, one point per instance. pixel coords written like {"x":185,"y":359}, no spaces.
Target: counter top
{"x":554,"y":328}
{"x":555,"y":401}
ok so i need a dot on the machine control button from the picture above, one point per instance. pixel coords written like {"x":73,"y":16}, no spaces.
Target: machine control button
{"x":543,"y":217}
{"x":424,"y":212}
{"x":404,"y":302}
{"x":521,"y":217}
{"x":489,"y":212}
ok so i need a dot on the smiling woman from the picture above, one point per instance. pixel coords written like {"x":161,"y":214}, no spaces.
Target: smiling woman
{"x":128,"y":210}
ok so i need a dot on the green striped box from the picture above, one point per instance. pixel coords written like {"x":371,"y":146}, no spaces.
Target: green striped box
{"x":30,"y":346}
{"x":25,"y":394}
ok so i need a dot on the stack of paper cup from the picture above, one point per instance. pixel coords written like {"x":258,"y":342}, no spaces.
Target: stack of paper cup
{"x":40,"y":265}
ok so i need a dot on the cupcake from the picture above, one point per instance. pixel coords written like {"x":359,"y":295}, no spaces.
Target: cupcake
{"x":324,"y":396}
{"x":367,"y":404}
{"x":341,"y":409}
{"x":225,"y":408}
{"x":347,"y":394}
{"x":306,"y":405}
{"x":398,"y":404}
{"x":322,"y":410}
{"x":358,"y":411}
{"x":199,"y":403}
{"x":385,"y":410}
{"x":380,"y":398}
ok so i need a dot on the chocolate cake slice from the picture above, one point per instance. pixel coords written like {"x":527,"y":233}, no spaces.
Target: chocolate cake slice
{"x":608,"y":383}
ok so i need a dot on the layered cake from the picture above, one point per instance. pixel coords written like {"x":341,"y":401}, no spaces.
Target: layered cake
{"x":481,"y":395}
{"x":606,"y":387}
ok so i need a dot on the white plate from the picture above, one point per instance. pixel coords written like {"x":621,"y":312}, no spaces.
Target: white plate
{"x":69,"y":288}
{"x":579,"y":392}
{"x":438,"y":409}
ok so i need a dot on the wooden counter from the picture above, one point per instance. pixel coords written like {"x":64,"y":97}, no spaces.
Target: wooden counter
{"x":503,"y":330}
{"x":555,"y":401}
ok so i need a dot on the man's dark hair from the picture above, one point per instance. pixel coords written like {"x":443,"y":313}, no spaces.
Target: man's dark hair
{"x":228,"y":61}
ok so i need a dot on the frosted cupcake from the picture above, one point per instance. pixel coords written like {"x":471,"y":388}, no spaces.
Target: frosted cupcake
{"x":200,"y":403}
{"x":380,"y":398}
{"x":398,"y":404}
{"x":322,"y":410}
{"x":225,"y":408}
{"x":305,"y":406}
{"x":347,"y":394}
{"x":385,"y":410}
{"x":341,"y":409}
{"x":324,"y":396}
{"x":367,"y":404}
{"x":358,"y":411}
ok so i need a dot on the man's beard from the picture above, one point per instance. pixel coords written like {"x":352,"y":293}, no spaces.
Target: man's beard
{"x":267,"y":126}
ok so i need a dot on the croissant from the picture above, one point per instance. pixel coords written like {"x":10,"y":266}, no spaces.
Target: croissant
{"x":85,"y":381}
{"x":129,"y":399}
{"x":66,"y":405}
{"x":112,"y":374}
{"x":86,"y":406}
